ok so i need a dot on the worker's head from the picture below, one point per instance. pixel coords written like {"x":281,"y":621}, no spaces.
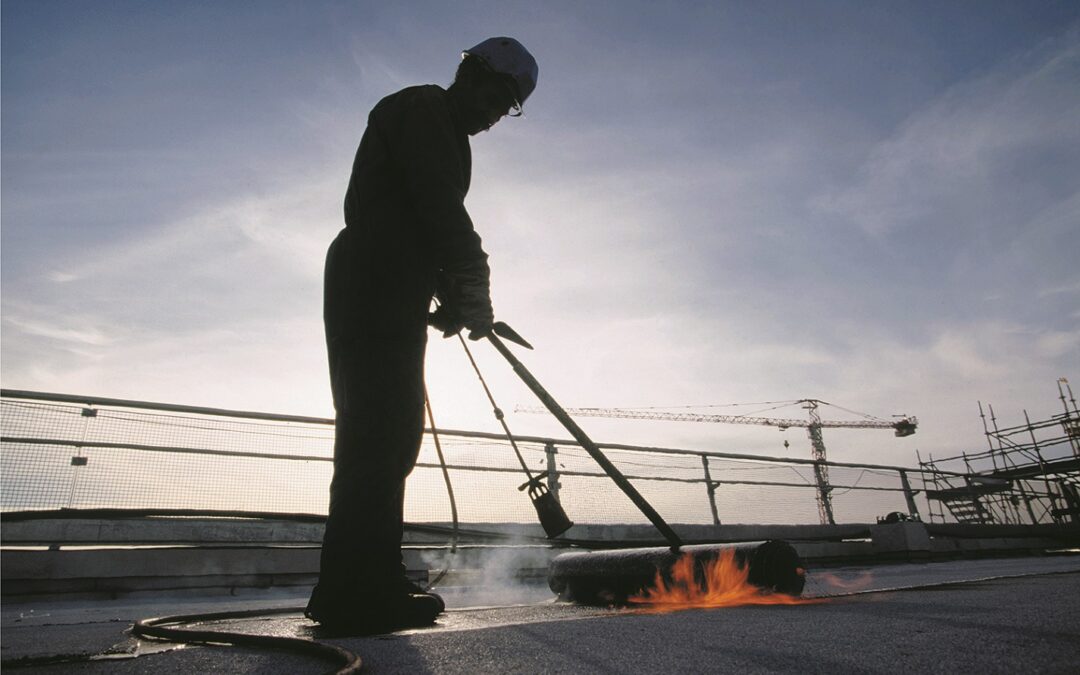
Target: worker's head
{"x":494,"y":79}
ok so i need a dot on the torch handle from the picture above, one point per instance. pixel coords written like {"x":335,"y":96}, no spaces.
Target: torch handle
{"x":587,"y":443}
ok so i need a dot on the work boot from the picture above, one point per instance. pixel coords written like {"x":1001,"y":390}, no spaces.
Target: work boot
{"x":412,"y":588}
{"x":373,"y":612}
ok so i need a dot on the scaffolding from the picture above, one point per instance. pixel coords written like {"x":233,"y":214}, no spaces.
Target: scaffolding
{"x":1030,"y":472}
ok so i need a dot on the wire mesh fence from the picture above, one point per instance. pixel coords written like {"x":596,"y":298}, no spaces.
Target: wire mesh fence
{"x":79,"y":453}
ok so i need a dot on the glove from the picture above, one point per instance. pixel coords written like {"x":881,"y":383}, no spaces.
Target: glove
{"x":445,"y":320}
{"x":464,"y":294}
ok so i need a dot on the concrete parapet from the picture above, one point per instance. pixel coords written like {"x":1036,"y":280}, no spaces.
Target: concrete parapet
{"x":905,"y":537}
{"x":60,"y":553}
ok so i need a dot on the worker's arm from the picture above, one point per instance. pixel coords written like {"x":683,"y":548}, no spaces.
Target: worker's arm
{"x":435,"y":161}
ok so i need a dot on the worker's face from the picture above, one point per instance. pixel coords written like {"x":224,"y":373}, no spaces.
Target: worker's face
{"x":490,"y":101}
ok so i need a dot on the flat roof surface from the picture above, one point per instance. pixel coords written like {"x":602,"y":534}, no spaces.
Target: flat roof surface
{"x":999,"y":615}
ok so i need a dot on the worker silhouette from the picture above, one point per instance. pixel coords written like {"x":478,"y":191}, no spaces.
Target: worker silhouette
{"x":407,"y":238}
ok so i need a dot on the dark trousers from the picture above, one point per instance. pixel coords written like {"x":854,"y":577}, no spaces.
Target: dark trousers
{"x":378,"y":388}
{"x":379,"y":396}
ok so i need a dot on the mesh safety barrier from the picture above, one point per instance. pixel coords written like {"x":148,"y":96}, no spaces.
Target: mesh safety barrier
{"x":93,"y":453}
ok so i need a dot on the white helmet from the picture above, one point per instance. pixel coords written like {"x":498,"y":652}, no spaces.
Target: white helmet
{"x":507,"y":56}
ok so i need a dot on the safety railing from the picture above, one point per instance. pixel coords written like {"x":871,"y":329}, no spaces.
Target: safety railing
{"x":79,"y":452}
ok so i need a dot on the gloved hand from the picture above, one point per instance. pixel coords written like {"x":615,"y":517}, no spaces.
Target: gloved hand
{"x":443,"y":319}
{"x":464,"y":294}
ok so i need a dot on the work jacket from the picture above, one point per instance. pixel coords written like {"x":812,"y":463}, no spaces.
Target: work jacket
{"x":405,"y":217}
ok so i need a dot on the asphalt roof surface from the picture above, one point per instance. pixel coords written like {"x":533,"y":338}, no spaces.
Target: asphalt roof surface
{"x":987,"y":616}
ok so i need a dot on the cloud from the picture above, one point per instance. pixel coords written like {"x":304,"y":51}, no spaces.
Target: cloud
{"x":225,"y":302}
{"x":272,"y":365}
{"x":985,"y":150}
{"x":962,"y":353}
{"x":59,"y":277}
{"x":1064,"y":289}
{"x":253,"y":256}
{"x":287,"y":228}
{"x":1056,"y":344}
{"x":78,"y":334}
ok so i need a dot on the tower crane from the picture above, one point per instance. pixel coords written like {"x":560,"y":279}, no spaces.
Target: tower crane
{"x":905,"y":426}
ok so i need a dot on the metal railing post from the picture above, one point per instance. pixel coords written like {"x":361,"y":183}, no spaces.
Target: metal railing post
{"x":710,"y":487}
{"x":78,"y":460}
{"x":552,"y":470}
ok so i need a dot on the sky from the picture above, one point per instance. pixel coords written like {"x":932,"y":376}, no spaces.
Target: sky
{"x":875,"y":204}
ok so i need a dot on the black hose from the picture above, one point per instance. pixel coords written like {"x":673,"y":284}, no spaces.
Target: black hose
{"x":497,"y":410}
{"x":449,"y":492}
{"x":348,"y":662}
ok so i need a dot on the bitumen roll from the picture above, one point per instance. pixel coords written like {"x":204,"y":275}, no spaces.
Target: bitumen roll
{"x":610,"y":577}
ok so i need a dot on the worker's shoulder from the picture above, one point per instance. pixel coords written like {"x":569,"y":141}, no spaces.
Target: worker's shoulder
{"x":425,"y":96}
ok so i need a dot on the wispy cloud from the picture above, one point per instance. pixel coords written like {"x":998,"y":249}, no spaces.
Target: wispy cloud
{"x":77,"y":334}
{"x":979,"y":152}
{"x":58,"y":277}
{"x":1065,"y":289}
{"x":1056,"y":344}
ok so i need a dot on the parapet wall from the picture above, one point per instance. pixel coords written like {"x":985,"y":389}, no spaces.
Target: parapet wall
{"x":117,"y":555}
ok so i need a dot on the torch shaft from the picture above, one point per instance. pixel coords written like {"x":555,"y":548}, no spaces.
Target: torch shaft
{"x":587,"y":443}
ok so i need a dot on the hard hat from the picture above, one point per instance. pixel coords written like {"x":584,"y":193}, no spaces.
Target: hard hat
{"x":507,"y":56}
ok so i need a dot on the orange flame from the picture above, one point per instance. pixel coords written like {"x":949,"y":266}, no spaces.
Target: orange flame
{"x":724,"y":585}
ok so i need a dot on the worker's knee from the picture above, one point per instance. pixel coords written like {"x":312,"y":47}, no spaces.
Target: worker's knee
{"x":380,"y":445}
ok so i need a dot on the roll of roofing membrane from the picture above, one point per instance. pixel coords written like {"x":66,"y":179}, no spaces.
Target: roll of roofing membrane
{"x":612,"y":577}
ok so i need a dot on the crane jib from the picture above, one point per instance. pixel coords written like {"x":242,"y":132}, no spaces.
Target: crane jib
{"x":903,"y":427}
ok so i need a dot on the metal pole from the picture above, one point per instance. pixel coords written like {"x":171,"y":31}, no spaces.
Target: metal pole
{"x":1071,"y":425}
{"x":909,"y":496}
{"x":1027,"y":502}
{"x":552,"y":470}
{"x":1042,"y":465}
{"x":1072,"y":499}
{"x":710,"y":487}
{"x":78,"y":460}
{"x":587,"y":443}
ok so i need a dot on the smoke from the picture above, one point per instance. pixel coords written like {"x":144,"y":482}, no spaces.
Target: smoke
{"x":484,"y":576}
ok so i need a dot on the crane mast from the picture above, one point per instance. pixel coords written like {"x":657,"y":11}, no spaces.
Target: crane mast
{"x":905,"y":426}
{"x":821,"y":469}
